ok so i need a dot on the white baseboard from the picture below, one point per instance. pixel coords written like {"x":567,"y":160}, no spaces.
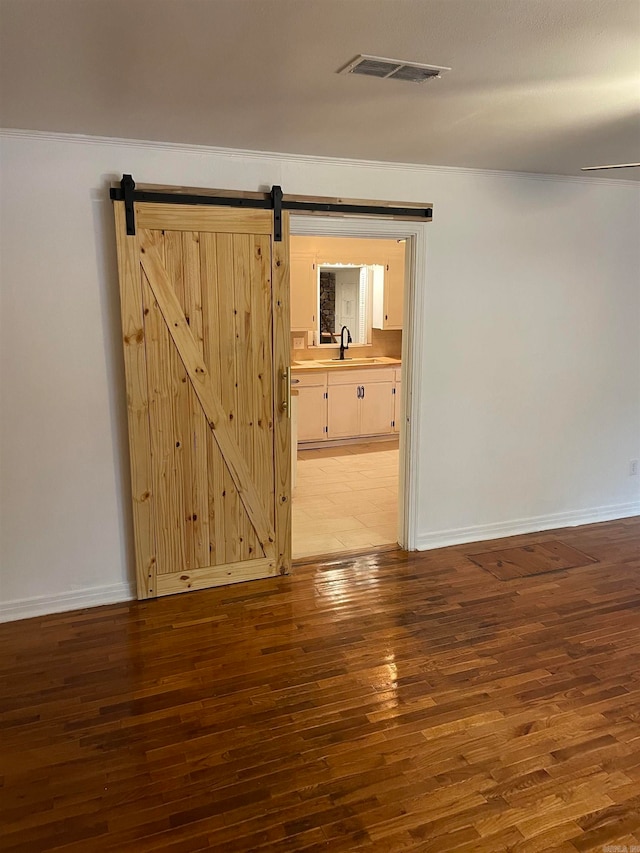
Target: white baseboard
{"x":497,"y":530}
{"x":25,"y":608}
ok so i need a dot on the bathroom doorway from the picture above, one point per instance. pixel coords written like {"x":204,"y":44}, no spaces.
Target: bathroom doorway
{"x":354,"y":487}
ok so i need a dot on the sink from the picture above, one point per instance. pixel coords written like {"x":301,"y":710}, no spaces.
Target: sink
{"x":336,"y":362}
{"x":333,"y":362}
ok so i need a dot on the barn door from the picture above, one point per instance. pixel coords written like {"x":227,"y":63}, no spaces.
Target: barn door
{"x":205,"y":305}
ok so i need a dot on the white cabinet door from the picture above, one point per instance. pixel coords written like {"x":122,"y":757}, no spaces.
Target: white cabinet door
{"x":397,"y":407}
{"x":312,"y":413}
{"x":304,"y":291}
{"x":376,"y":408}
{"x":388,"y":292}
{"x":343,"y":417}
{"x":394,"y":293}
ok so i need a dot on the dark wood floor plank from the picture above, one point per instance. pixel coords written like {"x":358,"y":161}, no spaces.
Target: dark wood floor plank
{"x":382,"y":702}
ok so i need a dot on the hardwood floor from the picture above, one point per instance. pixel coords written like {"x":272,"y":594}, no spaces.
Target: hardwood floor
{"x":379,"y":703}
{"x":346,"y":498}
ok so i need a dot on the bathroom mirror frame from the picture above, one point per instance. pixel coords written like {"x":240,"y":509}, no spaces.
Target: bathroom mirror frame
{"x":361,"y":326}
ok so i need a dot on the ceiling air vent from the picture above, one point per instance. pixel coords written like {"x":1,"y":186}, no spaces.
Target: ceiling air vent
{"x":393,"y":69}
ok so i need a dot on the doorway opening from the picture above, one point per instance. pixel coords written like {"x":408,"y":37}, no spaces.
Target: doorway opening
{"x":354,"y":304}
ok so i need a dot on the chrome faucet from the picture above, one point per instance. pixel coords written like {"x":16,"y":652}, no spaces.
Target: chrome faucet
{"x":344,"y":346}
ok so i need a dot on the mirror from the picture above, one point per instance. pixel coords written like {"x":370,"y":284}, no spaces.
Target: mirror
{"x":345,"y":300}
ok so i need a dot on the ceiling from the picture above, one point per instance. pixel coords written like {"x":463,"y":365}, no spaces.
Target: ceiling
{"x":536,"y":85}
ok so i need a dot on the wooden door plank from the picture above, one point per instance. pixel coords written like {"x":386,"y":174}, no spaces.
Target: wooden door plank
{"x":281,"y":421}
{"x":198,"y":431}
{"x":245,"y":380}
{"x":261,"y":368}
{"x":222,"y":220}
{"x":201,"y":380}
{"x":210,"y":576}
{"x":211,"y":351}
{"x":137,"y":404}
{"x":227,"y":384}
{"x":170,"y":555}
{"x":171,"y":242}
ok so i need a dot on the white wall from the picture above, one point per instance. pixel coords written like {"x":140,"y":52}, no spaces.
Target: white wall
{"x":531,"y":388}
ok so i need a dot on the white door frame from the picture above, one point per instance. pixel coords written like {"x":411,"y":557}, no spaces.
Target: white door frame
{"x":412,"y":341}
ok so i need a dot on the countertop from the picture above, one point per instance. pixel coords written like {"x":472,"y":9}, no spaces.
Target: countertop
{"x":356,"y":363}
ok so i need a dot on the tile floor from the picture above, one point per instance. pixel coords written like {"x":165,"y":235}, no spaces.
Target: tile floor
{"x":346,"y":498}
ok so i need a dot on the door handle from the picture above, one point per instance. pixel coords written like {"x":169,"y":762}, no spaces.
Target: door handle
{"x":362,"y":386}
{"x":286,"y":403}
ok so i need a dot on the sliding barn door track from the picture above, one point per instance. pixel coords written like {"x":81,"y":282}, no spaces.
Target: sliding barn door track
{"x":274,"y":200}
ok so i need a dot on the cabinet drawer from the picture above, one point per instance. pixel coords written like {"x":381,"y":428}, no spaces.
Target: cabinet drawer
{"x":362,"y":376}
{"x":309,"y":380}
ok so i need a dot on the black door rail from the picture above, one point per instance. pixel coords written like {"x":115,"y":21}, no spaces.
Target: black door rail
{"x":275,"y":200}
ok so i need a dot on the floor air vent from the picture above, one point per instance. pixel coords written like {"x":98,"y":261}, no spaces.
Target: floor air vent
{"x":393,"y":69}
{"x":528,"y":560}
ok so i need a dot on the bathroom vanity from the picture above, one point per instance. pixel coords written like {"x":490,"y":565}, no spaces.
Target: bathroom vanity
{"x":345,"y":400}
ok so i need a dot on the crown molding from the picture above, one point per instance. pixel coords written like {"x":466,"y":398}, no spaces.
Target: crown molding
{"x":245,"y":153}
